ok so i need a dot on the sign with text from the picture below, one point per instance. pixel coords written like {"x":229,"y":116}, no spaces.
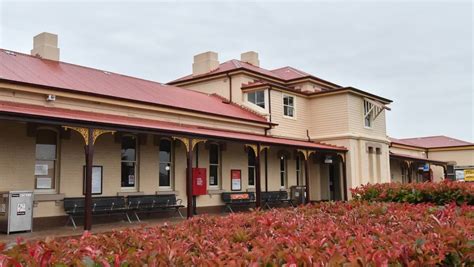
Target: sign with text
{"x":236,"y":180}
{"x":469,"y":175}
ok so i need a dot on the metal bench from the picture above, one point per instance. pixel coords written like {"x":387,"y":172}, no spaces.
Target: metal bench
{"x":275,"y":198}
{"x":100,"y":206}
{"x":238,"y":199}
{"x":154,"y":203}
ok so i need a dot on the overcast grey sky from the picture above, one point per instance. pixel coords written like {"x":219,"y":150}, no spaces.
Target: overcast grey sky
{"x":417,"y":54}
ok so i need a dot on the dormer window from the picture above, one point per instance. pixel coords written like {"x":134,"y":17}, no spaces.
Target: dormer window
{"x":257,"y":98}
{"x":288,"y":106}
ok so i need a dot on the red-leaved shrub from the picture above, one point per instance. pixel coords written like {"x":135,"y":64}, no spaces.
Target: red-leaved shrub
{"x":358,"y":233}
{"x":438,"y":193}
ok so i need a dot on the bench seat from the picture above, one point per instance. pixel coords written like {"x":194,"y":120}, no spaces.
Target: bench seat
{"x":238,"y":199}
{"x":154,"y":203}
{"x":75,"y":206}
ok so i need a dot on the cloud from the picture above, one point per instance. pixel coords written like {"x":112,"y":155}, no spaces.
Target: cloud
{"x":418,"y":54}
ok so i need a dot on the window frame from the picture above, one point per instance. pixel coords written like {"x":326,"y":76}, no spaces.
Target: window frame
{"x":299,"y":170}
{"x":283,"y":172}
{"x":289,"y":106}
{"x":171,"y":165}
{"x":218,"y":164}
{"x":133,"y":188}
{"x":256,"y":99}
{"x":251,"y":167}
{"x":55,"y":183}
{"x":368,"y":114}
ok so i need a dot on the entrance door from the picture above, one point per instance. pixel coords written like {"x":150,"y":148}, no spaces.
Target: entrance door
{"x":334,"y":183}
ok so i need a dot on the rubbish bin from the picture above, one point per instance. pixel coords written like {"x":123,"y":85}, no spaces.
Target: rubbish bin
{"x":16,"y":211}
{"x":298,"y":194}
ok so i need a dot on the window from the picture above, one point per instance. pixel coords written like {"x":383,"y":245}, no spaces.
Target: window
{"x":288,"y":106}
{"x":129,"y":161}
{"x":368,"y":107}
{"x":299,"y":172}
{"x":257,"y":98}
{"x":214,"y":165}
{"x":450,"y":172}
{"x":46,"y":157}
{"x":165,"y":156}
{"x":251,"y":164}
{"x":282,"y":171}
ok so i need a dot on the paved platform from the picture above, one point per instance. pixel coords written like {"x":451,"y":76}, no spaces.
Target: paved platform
{"x":64,"y":231}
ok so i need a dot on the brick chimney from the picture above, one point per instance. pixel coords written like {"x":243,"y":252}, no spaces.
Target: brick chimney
{"x":45,"y":45}
{"x":250,"y":57}
{"x":205,"y":62}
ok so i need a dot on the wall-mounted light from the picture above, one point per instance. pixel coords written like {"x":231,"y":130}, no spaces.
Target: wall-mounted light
{"x":51,"y":98}
{"x":328,"y":160}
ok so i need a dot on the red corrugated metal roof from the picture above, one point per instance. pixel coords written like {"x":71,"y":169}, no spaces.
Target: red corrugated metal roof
{"x":282,"y":74}
{"x":131,"y":122}
{"x":290,"y":73}
{"x":18,"y":67}
{"x":432,"y":142}
{"x":415,"y":158}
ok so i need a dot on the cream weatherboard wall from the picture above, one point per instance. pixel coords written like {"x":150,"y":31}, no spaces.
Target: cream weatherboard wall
{"x":292,"y":127}
{"x":17,"y":163}
{"x":461,"y":157}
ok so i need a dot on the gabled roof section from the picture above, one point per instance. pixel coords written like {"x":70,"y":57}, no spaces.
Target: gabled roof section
{"x":438,"y":141}
{"x":231,"y":65}
{"x":26,"y":69}
{"x":284,"y":75}
{"x":290,"y":73}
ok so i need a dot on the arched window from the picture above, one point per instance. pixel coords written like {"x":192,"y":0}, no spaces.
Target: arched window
{"x":129,"y":162}
{"x":166,"y":164}
{"x":46,"y":159}
{"x":251,"y":167}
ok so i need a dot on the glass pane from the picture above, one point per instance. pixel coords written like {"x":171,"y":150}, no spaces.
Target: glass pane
{"x":46,"y":152}
{"x":128,"y":174}
{"x":282,"y":179}
{"x":251,"y":176}
{"x":260,"y":96}
{"x":285,"y":100}
{"x":251,"y":97}
{"x":45,"y":174}
{"x":129,"y":148}
{"x":213,"y":175}
{"x":214,"y":154}
{"x":46,"y":137}
{"x":165,"y":151}
{"x":290,"y":101}
{"x":285,"y":110}
{"x":282,"y":164}
{"x":165,"y":174}
{"x":298,"y":162}
{"x":251,"y":158}
{"x":290,"y":111}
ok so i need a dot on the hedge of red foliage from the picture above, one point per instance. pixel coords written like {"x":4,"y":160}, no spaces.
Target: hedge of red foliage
{"x":332,"y":233}
{"x":437,"y":193}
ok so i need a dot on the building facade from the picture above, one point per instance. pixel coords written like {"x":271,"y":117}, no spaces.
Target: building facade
{"x":432,"y":158}
{"x":74,"y":131}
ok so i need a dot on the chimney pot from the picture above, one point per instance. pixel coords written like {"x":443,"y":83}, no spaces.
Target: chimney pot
{"x":250,"y":57}
{"x":45,"y":45}
{"x":205,"y":62}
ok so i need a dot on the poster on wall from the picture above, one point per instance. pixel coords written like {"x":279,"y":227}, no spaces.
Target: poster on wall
{"x":41,"y":169}
{"x":44,"y":183}
{"x":236,"y":180}
{"x":97,"y":172}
